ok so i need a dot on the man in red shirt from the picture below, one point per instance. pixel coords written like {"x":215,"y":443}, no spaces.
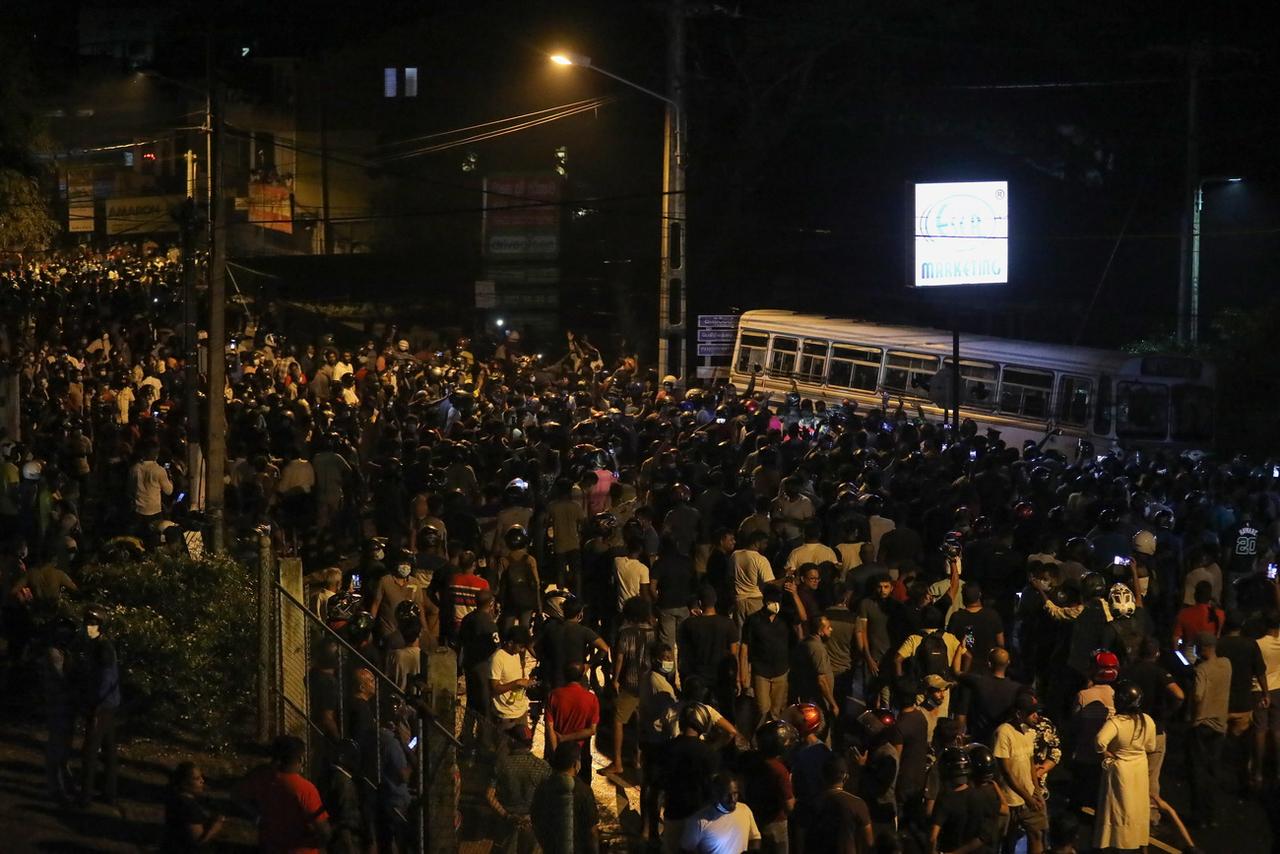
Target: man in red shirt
{"x":464,"y":588}
{"x":292,"y":819}
{"x":573,"y":713}
{"x":1203,"y":616}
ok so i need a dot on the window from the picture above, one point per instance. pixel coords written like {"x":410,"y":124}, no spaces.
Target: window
{"x":1142,"y":410}
{"x":751,"y":350}
{"x":782,"y":357}
{"x":1074,"y":396}
{"x":977,"y":383}
{"x":1192,"y":413}
{"x":1102,"y":415}
{"x":854,"y":367}
{"x":909,"y":373}
{"x":389,"y":82}
{"x":411,"y":82}
{"x":813,"y":362}
{"x":1026,"y":391}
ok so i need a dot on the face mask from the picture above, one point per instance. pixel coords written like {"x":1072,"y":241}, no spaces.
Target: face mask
{"x":93,"y":631}
{"x":666,"y":666}
{"x":724,"y":810}
{"x":403,"y":570}
{"x":379,"y":554}
{"x":773,"y":607}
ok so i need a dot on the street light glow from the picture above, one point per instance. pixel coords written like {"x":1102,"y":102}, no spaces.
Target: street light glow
{"x":567,"y":58}
{"x":561,"y":59}
{"x":1234,"y":180}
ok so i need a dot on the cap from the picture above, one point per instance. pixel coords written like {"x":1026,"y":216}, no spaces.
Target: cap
{"x":938,"y":683}
{"x":1204,"y":639}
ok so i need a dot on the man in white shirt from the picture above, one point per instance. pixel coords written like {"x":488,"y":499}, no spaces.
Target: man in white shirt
{"x":148,"y":484}
{"x":509,"y":682}
{"x":751,"y":573}
{"x":1015,"y":748}
{"x":1266,"y":718}
{"x":725,"y":826}
{"x":631,"y":573}
{"x":812,"y":551}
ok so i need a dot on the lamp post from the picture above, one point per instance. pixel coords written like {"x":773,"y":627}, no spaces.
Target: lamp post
{"x":1193,"y":319}
{"x":672,"y":285}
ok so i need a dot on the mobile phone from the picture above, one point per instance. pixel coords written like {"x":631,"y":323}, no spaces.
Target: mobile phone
{"x":182,"y":496}
{"x":1121,"y":560}
{"x":968,"y":638}
{"x":1271,"y":571}
{"x":355,"y":581}
{"x":413,"y":742}
{"x":1275,"y":471}
{"x":1182,"y":658}
{"x":973,"y":455}
{"x":719,"y":420}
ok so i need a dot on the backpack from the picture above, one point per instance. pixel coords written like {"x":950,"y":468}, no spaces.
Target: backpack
{"x":931,"y":657}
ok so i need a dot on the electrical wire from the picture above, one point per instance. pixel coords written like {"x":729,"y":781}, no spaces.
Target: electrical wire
{"x":599,"y":101}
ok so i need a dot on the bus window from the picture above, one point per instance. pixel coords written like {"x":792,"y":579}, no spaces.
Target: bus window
{"x":782,"y":357}
{"x":1026,"y":391}
{"x":1192,"y":413}
{"x":854,"y":367}
{"x":813,"y":362}
{"x":1142,"y":410}
{"x":905,"y":372}
{"x":1106,"y":403}
{"x":977,"y":383}
{"x":1074,"y":397}
{"x":751,"y":349}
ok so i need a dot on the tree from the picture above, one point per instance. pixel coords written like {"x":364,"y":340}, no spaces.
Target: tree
{"x":26,"y":219}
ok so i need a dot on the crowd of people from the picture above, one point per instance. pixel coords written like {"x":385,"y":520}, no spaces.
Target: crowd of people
{"x":799,"y":625}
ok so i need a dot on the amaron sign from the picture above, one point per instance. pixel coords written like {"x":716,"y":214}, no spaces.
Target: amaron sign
{"x":960,"y":234}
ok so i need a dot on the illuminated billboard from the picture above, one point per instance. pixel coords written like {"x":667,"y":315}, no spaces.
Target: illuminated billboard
{"x":961,"y":234}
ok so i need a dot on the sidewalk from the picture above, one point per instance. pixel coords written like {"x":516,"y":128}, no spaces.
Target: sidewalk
{"x":31,"y":822}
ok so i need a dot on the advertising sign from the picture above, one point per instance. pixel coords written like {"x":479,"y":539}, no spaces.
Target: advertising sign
{"x":79,"y":200}
{"x":522,"y":217}
{"x":961,"y":234}
{"x":137,"y":215}
{"x":270,"y":206}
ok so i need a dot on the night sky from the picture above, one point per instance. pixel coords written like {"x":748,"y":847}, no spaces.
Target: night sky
{"x":808,"y":119}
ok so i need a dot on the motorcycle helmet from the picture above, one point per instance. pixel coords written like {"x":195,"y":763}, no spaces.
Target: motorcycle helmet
{"x":1128,"y":697}
{"x":805,"y":717}
{"x":955,"y":764}
{"x":1122,"y":602}
{"x":696,"y":717}
{"x":516,"y":537}
{"x":776,"y":738}
{"x":982,"y":763}
{"x":1144,"y":543}
{"x":1093,"y":586}
{"x":1106,"y":666}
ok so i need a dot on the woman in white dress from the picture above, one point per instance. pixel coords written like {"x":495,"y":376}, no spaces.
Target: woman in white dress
{"x":1124,"y":812}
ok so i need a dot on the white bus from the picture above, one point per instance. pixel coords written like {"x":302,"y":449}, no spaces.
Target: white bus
{"x":1021,"y":388}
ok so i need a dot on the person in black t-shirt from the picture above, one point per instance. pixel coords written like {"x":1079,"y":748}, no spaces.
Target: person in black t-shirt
{"x":1161,"y":697}
{"x":688,"y":765}
{"x":566,"y":642}
{"x":708,"y":643}
{"x":674,"y":577}
{"x":189,"y":824}
{"x":764,"y":656}
{"x":991,"y":695}
{"x":477,"y":640}
{"x":953,"y":824}
{"x":982,"y":623}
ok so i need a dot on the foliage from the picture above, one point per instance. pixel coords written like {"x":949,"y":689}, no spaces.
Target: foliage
{"x":184,"y":630}
{"x":26,"y":221}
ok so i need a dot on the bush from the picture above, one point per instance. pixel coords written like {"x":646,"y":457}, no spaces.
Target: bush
{"x":185,"y":631}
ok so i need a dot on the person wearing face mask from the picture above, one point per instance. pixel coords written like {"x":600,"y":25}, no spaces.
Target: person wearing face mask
{"x":726,"y":826}
{"x":393,"y":589}
{"x":97,"y":679}
{"x":763,"y":663}
{"x":657,"y":702}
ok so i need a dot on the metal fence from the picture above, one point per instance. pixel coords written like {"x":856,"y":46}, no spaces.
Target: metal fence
{"x":292,"y":638}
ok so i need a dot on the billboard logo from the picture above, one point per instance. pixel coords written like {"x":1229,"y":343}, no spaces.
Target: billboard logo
{"x":961,"y":233}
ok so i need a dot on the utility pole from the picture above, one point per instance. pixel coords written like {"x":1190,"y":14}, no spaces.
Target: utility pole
{"x":1190,"y":189}
{"x":324,"y":177}
{"x":216,"y":457}
{"x":673,"y":286}
{"x":190,"y":340}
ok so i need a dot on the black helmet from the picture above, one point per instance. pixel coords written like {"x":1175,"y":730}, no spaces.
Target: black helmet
{"x":94,"y":615}
{"x":680,"y":492}
{"x":1128,"y":697}
{"x":776,"y":738}
{"x":955,"y":763}
{"x":1108,"y":517}
{"x":517,"y":489}
{"x":343,"y":607}
{"x":358,"y":630}
{"x":516,"y":537}
{"x":1093,"y":586}
{"x":375,"y":544}
{"x":605,"y":523}
{"x":429,"y":537}
{"x":408,"y":612}
{"x":696,"y":717}
{"x":982,"y":527}
{"x":982,"y":763}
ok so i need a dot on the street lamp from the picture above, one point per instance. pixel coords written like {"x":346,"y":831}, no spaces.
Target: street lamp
{"x":672,"y":284}
{"x":1194,"y":312}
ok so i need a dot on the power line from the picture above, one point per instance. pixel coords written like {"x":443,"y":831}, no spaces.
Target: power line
{"x":438,"y":134}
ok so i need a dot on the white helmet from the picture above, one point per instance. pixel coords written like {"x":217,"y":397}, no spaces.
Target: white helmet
{"x":402,"y":345}
{"x":669,"y":380}
{"x":1122,"y":601}
{"x":32,"y":470}
{"x":1144,"y":543}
